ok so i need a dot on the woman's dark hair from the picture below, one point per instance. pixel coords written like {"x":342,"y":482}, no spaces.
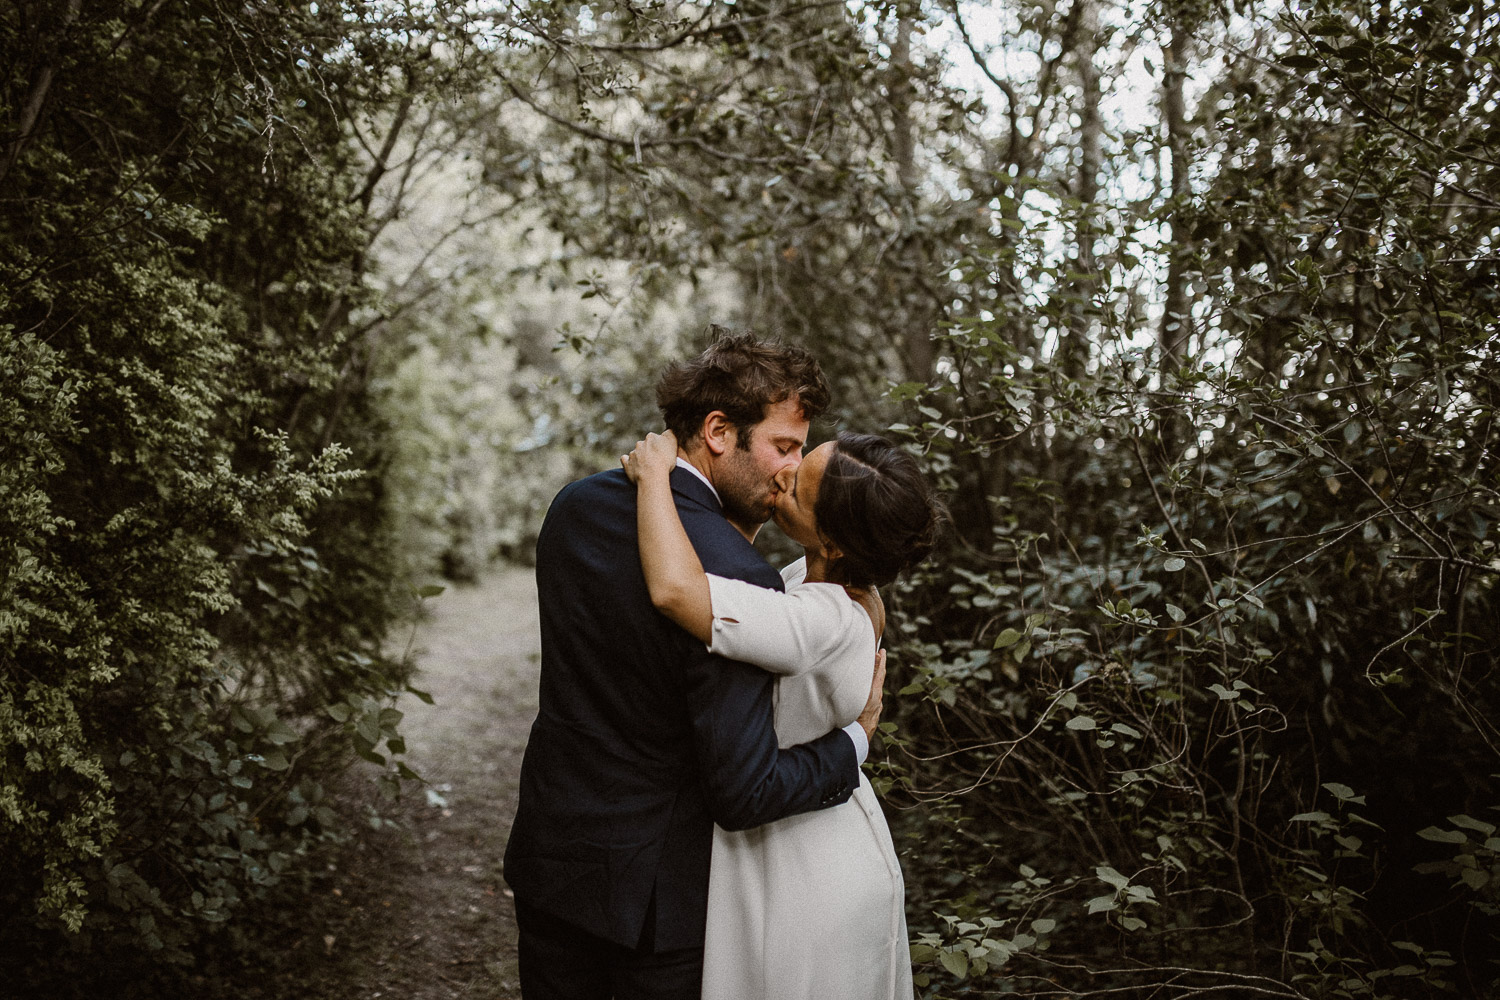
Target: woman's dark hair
{"x":875,"y":505}
{"x":740,"y":375}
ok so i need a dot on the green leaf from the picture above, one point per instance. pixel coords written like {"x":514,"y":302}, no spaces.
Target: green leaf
{"x":906,"y":390}
{"x":1045,"y":925}
{"x":1082,"y":722}
{"x":421,"y":696}
{"x":1103,"y":904}
{"x":1341,"y":792}
{"x":1176,"y":613}
{"x":1475,"y":878}
{"x":280,"y":733}
{"x":275,"y":761}
{"x":430,"y":590}
{"x":955,"y":962}
{"x":1114,"y":878}
{"x":1470,"y":823}
{"x":338,"y":711}
{"x":1310,"y":817}
{"x":368,"y":728}
{"x":1007,"y":638}
{"x":1223,"y":692}
{"x":923,"y":953}
{"x":1120,"y":727}
{"x":1174,"y":564}
{"x":1442,"y":836}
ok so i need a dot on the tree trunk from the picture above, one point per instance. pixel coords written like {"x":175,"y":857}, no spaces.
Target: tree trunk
{"x":1075,"y":347}
{"x":917,"y":337}
{"x":1176,"y":324}
{"x":36,"y":97}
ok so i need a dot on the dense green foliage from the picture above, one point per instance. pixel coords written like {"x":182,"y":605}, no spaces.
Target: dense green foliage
{"x":1198,"y":701}
{"x":1212,"y":671}
{"x":193,"y":586}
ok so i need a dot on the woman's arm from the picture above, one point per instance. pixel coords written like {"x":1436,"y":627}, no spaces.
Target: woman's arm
{"x":810,"y":629}
{"x":674,"y":575}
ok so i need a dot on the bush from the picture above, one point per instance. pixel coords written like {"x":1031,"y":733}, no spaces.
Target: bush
{"x":193,"y":583}
{"x":1203,"y":698}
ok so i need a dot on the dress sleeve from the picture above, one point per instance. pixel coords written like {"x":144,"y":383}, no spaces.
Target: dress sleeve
{"x":811,"y":625}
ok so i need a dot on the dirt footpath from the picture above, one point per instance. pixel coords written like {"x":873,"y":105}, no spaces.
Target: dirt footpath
{"x":478,"y":655}
{"x":421,"y":912}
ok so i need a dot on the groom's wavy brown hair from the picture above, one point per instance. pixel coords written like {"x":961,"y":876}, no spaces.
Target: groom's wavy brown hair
{"x":740,"y":375}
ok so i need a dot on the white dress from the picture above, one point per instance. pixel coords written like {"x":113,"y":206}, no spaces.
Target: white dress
{"x":811,"y":907}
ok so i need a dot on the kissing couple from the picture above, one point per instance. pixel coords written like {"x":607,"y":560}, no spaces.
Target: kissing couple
{"x":692,"y":820}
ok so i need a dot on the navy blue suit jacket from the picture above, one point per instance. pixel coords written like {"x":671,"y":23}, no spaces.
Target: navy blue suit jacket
{"x":644,"y":739}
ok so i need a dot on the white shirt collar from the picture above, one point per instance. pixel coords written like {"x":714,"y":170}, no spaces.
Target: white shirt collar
{"x":683,"y":463}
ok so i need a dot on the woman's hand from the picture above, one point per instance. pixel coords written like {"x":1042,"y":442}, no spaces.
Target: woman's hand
{"x":655,"y":456}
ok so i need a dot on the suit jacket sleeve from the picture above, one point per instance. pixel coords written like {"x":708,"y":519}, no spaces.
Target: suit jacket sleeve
{"x":747,"y":779}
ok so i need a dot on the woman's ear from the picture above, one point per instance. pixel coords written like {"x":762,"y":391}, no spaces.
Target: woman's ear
{"x":718,"y":433}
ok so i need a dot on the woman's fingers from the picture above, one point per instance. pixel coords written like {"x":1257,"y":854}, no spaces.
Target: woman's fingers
{"x":658,"y":449}
{"x":654,"y":453}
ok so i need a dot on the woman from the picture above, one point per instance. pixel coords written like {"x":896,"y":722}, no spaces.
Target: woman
{"x":812,"y":905}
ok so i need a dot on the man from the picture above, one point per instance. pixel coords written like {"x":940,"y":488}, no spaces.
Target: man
{"x":644,"y":739}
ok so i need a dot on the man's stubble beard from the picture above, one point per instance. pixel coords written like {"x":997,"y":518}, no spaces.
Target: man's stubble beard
{"x":743,"y":491}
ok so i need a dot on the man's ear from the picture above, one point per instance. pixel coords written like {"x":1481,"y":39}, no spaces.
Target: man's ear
{"x":718,"y":433}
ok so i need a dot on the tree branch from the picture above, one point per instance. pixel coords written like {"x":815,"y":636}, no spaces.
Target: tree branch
{"x":41,"y":86}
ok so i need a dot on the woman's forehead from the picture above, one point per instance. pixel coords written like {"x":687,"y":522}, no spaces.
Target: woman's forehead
{"x":811,"y":469}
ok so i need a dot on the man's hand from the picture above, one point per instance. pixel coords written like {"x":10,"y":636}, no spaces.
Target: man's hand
{"x":655,"y":456}
{"x":870,"y":717}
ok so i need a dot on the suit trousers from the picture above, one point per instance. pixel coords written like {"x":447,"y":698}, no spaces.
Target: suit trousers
{"x":559,"y":961}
